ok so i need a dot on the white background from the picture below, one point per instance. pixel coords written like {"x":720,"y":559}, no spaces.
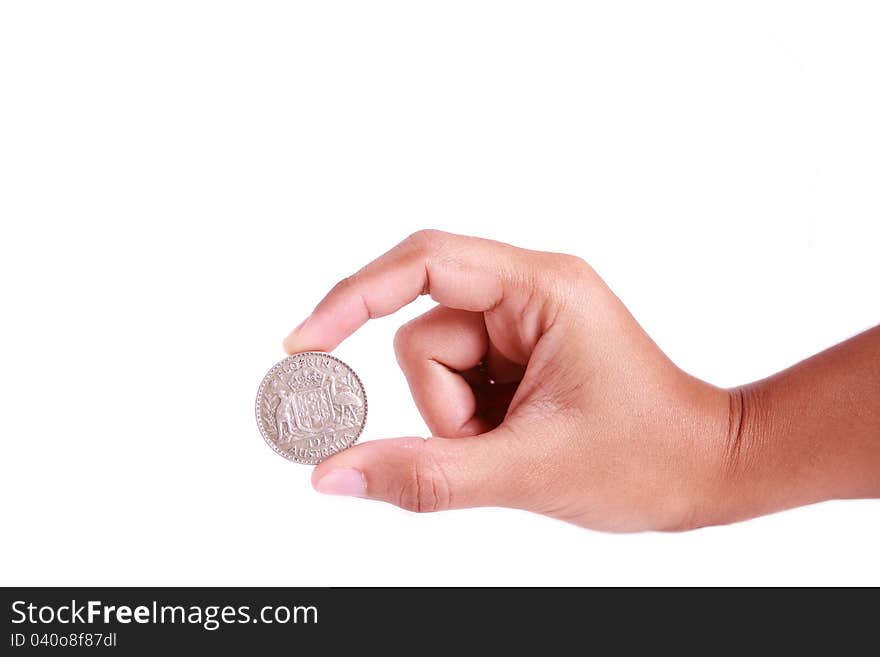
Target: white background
{"x":180,"y":182}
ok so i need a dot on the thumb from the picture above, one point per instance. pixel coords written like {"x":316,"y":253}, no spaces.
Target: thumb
{"x":423,"y":475}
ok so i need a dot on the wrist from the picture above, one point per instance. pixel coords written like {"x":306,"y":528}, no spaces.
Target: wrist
{"x":717,"y":435}
{"x":734,"y":440}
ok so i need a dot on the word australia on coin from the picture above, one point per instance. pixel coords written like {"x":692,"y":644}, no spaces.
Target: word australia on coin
{"x":310,"y":406}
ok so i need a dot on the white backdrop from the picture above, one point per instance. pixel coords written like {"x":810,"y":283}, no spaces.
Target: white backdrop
{"x":180,"y":182}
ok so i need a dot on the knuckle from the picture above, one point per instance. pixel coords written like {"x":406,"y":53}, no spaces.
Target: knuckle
{"x":404,"y":338}
{"x":423,"y":239}
{"x":572,"y":276}
{"x":577,"y":266}
{"x":347,"y":283}
{"x":426,"y":488}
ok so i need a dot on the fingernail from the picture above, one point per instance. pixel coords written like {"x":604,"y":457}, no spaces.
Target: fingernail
{"x":290,"y":340}
{"x":343,"y":481}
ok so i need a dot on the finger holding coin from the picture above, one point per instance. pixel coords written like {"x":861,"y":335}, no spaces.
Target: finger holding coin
{"x":474,"y":280}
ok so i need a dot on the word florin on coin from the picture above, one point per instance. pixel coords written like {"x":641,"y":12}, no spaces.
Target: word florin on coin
{"x":310,"y":406}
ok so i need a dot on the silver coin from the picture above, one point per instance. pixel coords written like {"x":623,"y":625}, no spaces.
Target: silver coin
{"x":311,"y":406}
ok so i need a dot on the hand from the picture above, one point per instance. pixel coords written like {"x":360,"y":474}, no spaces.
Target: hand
{"x":542,"y":392}
{"x":545,"y":394}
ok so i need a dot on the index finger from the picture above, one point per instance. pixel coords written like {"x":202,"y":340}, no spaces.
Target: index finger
{"x":466,"y":273}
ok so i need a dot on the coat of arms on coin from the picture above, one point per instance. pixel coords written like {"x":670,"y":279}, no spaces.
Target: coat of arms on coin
{"x":310,"y":406}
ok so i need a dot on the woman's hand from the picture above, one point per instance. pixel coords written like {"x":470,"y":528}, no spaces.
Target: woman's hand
{"x":541,"y":390}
